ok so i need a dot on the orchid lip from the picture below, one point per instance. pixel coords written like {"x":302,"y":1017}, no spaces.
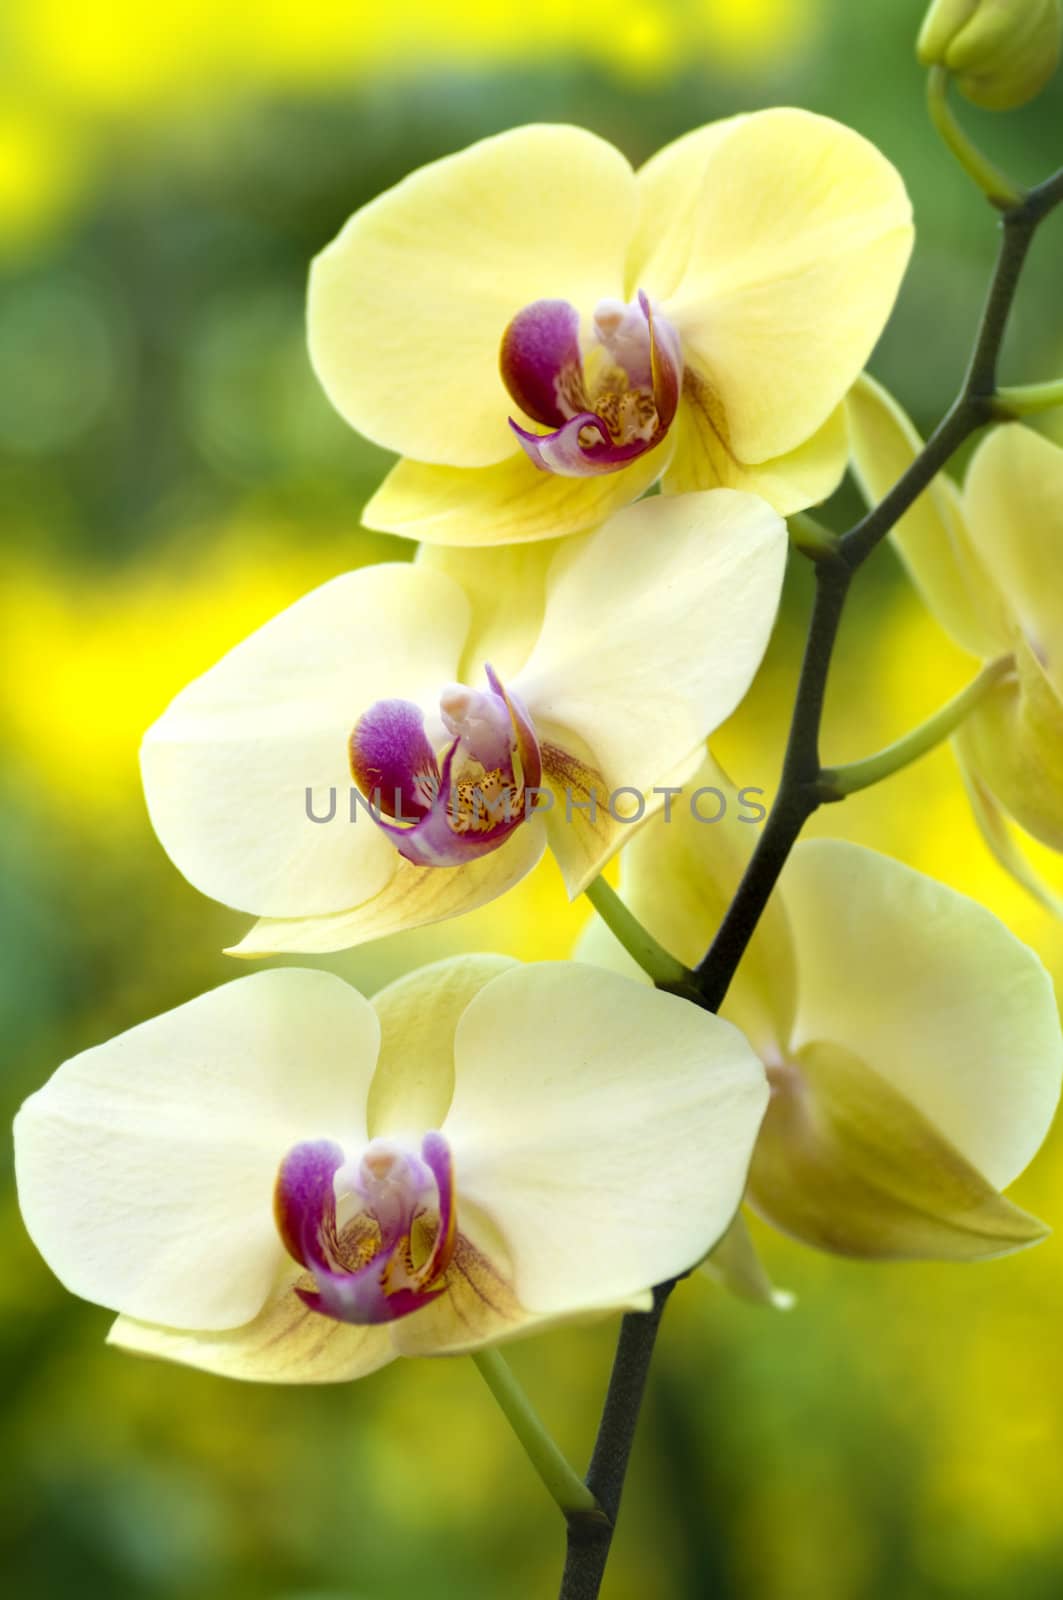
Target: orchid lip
{"x":605,"y":407}
{"x":387,"y":1259}
{"x":470,"y":805}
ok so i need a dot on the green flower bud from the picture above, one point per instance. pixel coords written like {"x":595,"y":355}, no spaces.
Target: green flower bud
{"x":1002,"y":52}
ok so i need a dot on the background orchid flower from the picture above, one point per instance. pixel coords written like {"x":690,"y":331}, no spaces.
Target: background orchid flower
{"x":610,"y":659}
{"x":988,"y":561}
{"x":282,"y":1180}
{"x":912,"y":1043}
{"x":541,"y":332}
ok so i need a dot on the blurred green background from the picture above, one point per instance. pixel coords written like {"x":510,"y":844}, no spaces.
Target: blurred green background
{"x":171,"y":476}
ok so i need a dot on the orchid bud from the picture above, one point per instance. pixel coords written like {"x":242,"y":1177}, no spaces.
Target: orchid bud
{"x":1002,"y":52}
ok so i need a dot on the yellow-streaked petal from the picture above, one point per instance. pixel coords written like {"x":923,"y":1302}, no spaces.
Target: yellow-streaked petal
{"x":505,"y":586}
{"x":409,"y":303}
{"x":412,"y":898}
{"x":480,"y":1306}
{"x":511,"y":502}
{"x":603,"y":1128}
{"x":146,"y":1166}
{"x":1013,"y":740}
{"x":933,"y":994}
{"x":847,"y":1164}
{"x":227,"y":765}
{"x":931,"y":538}
{"x":1013,"y":499}
{"x":655,"y":625}
{"x":583,"y":829}
{"x":781,"y":289}
{"x":1000,"y":838}
{"x":702,"y":459}
{"x":286,"y":1343}
{"x":414,"y":1079}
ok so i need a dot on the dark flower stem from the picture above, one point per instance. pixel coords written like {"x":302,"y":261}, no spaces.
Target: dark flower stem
{"x":801,"y":791}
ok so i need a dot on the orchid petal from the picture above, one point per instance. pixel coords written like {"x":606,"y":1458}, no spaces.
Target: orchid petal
{"x":414,"y":1080}
{"x":1013,"y":740}
{"x":412,"y":898}
{"x":736,"y":1266}
{"x":931,"y":538}
{"x":587,"y":820}
{"x":409,"y":304}
{"x":847,"y":1164}
{"x":690,"y":585}
{"x":783,"y":283}
{"x":1013,"y":498}
{"x":505,"y":586}
{"x":509,"y":503}
{"x":702,"y":458}
{"x":1000,"y":837}
{"x":227,"y":765}
{"x":603,"y":1128}
{"x":286,"y":1343}
{"x":137,"y":1153}
{"x":933,"y":994}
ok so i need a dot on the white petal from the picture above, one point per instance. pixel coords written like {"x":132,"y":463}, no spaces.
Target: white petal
{"x":414,"y":1079}
{"x":655,"y":625}
{"x":1001,"y":837}
{"x":227,"y":765}
{"x":782,"y":282}
{"x":505,"y":586}
{"x":604,"y":1128}
{"x":1013,"y":497}
{"x":409,"y":304}
{"x":146,"y":1166}
{"x":933,"y":993}
{"x":932,"y":539}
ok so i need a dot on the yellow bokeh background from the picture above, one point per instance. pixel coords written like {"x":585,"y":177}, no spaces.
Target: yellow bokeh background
{"x":899,"y":1433}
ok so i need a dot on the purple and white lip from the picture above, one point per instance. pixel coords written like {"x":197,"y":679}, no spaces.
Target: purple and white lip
{"x":604,"y":403}
{"x":449,"y":814}
{"x":376,"y":1234}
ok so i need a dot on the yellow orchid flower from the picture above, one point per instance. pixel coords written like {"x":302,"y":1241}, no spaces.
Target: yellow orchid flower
{"x":541,"y":332}
{"x":284,"y":1181}
{"x":912,"y":1043}
{"x":605,"y":661}
{"x":988,"y":561}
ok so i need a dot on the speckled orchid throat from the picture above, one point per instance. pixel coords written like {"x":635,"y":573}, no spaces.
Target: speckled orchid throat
{"x":605,"y":401}
{"x":449,"y":812}
{"x":377,"y":1234}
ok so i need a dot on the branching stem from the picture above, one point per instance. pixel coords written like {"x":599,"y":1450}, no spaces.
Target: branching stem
{"x":799,"y":794}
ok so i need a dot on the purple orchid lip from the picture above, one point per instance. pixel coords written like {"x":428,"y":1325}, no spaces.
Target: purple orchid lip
{"x":599,"y":422}
{"x":366,"y":1273}
{"x":473,"y":804}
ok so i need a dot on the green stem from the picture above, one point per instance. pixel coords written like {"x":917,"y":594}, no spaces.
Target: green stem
{"x":994,"y":184}
{"x":562,"y":1481}
{"x":1023,"y":399}
{"x":836,"y":782}
{"x":811,"y":538}
{"x":641,"y":946}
